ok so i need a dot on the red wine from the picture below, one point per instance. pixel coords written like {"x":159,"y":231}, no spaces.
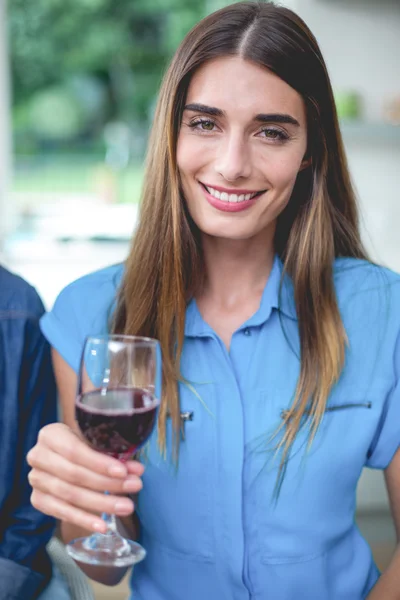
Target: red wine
{"x":116,"y":421}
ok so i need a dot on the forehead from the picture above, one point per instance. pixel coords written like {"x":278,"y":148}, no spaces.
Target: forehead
{"x":237,"y":85}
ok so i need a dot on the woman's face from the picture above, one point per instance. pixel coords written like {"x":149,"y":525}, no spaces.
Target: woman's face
{"x":241,"y":144}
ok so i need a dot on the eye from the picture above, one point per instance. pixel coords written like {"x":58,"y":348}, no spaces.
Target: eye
{"x":271,"y":133}
{"x":202,"y":124}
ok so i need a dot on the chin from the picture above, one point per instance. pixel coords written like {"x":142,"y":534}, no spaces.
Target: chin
{"x":228,"y":234}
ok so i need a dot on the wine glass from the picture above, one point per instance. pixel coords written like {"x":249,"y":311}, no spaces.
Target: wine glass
{"x":116,"y":410}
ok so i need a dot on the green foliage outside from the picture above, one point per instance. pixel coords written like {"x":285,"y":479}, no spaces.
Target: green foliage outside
{"x":79,"y":64}
{"x":85,"y":76}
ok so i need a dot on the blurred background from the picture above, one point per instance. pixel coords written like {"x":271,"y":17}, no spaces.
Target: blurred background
{"x":78,"y":83}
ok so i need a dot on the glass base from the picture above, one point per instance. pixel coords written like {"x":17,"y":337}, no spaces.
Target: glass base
{"x":108,"y":550}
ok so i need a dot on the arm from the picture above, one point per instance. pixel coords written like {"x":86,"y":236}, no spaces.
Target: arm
{"x":388,"y":585}
{"x":25,"y":568}
{"x":63,"y":464}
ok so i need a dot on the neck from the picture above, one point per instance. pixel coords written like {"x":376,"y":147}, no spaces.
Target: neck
{"x":236,"y":268}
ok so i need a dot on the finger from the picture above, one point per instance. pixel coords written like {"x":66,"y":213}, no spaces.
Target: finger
{"x":68,"y":444}
{"x":61,"y":510}
{"x":47,"y":461}
{"x":80,"y":497}
{"x":135,"y":468}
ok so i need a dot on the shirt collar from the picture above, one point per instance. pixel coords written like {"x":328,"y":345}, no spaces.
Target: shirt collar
{"x":272,"y":298}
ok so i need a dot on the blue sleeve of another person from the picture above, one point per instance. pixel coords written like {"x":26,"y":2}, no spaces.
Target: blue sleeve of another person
{"x":27,"y":403}
{"x":83,"y":308}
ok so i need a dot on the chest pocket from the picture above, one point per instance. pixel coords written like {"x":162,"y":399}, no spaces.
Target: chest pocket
{"x":346,"y":429}
{"x":342,"y":418}
{"x":175,"y":506}
{"x":317,"y":495}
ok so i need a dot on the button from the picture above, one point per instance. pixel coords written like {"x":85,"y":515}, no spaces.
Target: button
{"x":247,"y":331}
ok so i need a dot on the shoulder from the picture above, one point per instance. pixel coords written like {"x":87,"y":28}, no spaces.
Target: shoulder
{"x":18,"y":299}
{"x":82,"y":308}
{"x":97,"y":287}
{"x":359,"y":279}
{"x":368,"y":295}
{"x":351,"y":271}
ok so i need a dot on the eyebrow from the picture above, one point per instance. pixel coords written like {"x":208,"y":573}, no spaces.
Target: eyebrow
{"x":260,"y":118}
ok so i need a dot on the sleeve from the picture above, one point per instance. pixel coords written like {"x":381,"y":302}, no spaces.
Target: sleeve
{"x":61,"y":326}
{"x":25,"y":568}
{"x":19,"y":582}
{"x":387,"y":437}
{"x":83,"y":308}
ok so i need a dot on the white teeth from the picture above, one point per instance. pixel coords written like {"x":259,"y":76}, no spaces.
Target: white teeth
{"x":225,"y":197}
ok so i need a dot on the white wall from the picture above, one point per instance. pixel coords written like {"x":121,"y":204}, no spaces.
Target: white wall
{"x":360,"y":41}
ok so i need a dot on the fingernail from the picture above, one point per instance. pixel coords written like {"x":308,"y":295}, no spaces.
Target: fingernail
{"x":97,"y":526}
{"x":117,"y":470}
{"x":132,"y":485}
{"x":123,"y":508}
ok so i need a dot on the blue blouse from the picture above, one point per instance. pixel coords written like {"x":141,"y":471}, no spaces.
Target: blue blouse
{"x":212,"y":527}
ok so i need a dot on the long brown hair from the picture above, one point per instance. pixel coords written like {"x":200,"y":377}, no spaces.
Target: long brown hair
{"x":165,"y":264}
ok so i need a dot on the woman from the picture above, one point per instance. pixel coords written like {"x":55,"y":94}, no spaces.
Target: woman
{"x":278,"y":336}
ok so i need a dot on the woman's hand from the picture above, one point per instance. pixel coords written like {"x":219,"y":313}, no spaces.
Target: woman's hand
{"x":69,"y":479}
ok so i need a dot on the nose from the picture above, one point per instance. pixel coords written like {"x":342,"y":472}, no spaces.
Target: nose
{"x":233,"y":160}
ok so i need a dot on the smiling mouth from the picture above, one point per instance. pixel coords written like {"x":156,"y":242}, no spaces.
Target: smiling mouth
{"x":225,"y":197}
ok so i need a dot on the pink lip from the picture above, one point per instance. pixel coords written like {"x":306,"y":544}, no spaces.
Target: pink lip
{"x":228,"y":206}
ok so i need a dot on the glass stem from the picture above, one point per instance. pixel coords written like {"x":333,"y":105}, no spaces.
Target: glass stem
{"x":111,"y":523}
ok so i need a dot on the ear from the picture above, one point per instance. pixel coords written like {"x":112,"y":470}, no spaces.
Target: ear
{"x":305,"y":163}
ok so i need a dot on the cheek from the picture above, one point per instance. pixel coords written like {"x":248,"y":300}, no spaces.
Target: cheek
{"x":284,"y":170}
{"x":186,"y":163}
{"x":187,"y":157}
{"x":180,"y":154}
{"x":193,"y":154}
